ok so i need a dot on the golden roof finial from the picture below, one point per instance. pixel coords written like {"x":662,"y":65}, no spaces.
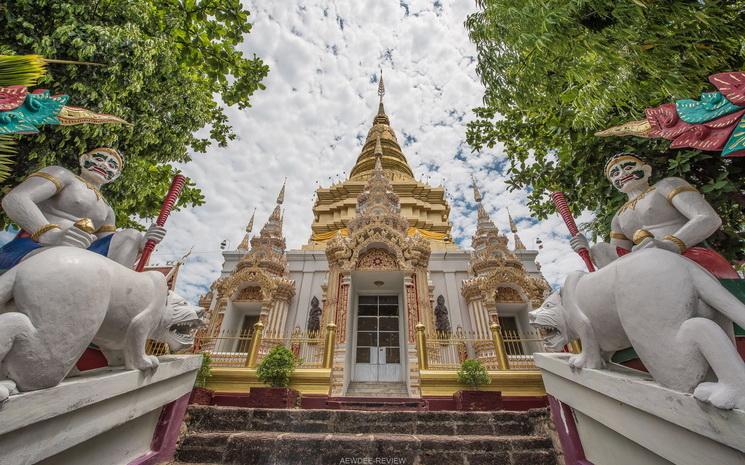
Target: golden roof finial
{"x":381,"y":93}
{"x":381,"y":86}
{"x":281,"y":196}
{"x":378,"y":148}
{"x":476,"y":193}
{"x":513,"y":226}
{"x":250,"y":225}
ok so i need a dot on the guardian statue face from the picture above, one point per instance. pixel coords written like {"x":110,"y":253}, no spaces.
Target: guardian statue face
{"x":628,"y":173}
{"x":102,"y":164}
{"x":550,"y":321}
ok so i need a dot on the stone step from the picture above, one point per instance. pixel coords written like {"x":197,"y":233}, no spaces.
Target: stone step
{"x":277,"y":448}
{"x":377,"y":403}
{"x":371,"y":389}
{"x":233,"y":419}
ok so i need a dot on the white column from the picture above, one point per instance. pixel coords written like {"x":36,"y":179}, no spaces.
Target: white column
{"x":283,"y":310}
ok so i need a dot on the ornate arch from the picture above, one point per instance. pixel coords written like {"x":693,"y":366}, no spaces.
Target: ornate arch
{"x":247,"y":276}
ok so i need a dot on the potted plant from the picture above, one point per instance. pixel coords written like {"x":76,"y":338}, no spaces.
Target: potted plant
{"x":473,"y":374}
{"x":200,"y":394}
{"x":276,"y":370}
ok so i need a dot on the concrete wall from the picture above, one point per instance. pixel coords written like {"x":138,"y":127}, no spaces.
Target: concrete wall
{"x":447,"y":270}
{"x":309,"y":269}
{"x":80,"y":420}
{"x":623,"y":417}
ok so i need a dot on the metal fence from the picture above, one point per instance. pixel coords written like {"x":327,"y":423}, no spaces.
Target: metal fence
{"x":231,"y":348}
{"x":447,"y":351}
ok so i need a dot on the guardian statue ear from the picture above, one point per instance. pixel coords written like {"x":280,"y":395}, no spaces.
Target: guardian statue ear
{"x":647,"y":168}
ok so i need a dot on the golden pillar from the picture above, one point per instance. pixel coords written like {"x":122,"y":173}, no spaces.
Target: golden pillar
{"x":496,"y":335}
{"x":421,"y":346}
{"x":575,"y":346}
{"x":328,"y":349}
{"x":253,"y":348}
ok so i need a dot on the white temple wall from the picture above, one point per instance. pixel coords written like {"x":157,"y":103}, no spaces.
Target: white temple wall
{"x":309,"y":269}
{"x":231,"y":257}
{"x":447,"y":270}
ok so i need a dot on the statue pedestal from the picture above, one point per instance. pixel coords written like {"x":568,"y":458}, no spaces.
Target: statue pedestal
{"x":620,"y":416}
{"x":104,"y":417}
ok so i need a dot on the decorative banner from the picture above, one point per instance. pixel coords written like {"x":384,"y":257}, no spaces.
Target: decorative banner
{"x":714,"y":123}
{"x":22,"y":112}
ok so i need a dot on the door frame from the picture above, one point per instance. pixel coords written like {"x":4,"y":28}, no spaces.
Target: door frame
{"x":401,"y":335}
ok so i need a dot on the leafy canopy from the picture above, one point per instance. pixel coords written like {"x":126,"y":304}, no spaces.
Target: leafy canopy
{"x":165,"y":63}
{"x":557,"y":71}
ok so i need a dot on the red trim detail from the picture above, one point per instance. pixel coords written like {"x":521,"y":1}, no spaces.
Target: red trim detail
{"x":563,"y":419}
{"x":163,"y":445}
{"x":713,"y":262}
{"x":740,"y":344}
{"x":91,"y":358}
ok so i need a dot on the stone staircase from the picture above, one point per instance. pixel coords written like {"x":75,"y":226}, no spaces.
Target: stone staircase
{"x":242,"y":436}
{"x":370,"y":389}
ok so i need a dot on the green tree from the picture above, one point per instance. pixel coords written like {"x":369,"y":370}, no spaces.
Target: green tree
{"x":277,"y":367}
{"x":473,"y":374}
{"x":557,"y":71}
{"x":165,"y":62}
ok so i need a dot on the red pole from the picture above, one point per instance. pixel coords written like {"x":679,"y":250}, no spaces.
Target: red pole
{"x":561,"y":206}
{"x":177,"y":185}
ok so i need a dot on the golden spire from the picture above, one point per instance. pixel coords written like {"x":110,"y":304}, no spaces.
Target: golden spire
{"x":476,"y":193}
{"x":249,"y":227}
{"x":513,"y":227}
{"x":378,"y":152}
{"x":381,"y":93}
{"x":394,"y":161}
{"x":281,"y":195}
{"x":482,"y":215}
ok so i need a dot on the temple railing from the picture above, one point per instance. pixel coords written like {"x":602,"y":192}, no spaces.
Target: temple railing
{"x":498,"y":350}
{"x":246,"y":349}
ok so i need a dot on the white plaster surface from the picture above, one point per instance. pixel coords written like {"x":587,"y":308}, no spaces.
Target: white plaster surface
{"x":672,"y":425}
{"x":117,"y":446}
{"x":676,"y":315}
{"x":37,"y":425}
{"x":604,"y":446}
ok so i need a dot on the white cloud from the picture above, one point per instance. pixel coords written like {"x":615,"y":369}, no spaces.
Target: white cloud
{"x":320,"y":99}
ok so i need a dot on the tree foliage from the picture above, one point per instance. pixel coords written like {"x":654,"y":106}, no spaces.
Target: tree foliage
{"x":473,"y":374}
{"x":165,"y":61}
{"x":557,"y":71}
{"x":205,"y":371}
{"x":277,"y":367}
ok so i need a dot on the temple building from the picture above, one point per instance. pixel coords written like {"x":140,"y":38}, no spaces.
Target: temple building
{"x":379,"y":268}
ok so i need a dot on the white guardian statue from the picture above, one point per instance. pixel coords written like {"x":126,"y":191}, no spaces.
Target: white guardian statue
{"x":54,"y":206}
{"x":55,"y":303}
{"x":657,"y":290}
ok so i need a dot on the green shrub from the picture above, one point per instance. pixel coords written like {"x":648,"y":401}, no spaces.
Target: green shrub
{"x":473,"y":374}
{"x":204,"y":371}
{"x":277,"y":367}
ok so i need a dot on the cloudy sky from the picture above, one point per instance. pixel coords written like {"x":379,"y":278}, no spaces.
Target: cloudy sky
{"x":310,"y":123}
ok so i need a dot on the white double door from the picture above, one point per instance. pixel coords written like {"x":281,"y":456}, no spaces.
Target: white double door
{"x":378,"y":334}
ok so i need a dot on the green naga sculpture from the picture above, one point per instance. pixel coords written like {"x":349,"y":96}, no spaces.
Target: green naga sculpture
{"x":714,"y":123}
{"x":23,"y":112}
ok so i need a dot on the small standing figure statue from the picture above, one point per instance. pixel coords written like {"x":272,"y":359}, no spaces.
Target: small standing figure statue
{"x":442,"y":320}
{"x":54,"y":206}
{"x":314,"y":316}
